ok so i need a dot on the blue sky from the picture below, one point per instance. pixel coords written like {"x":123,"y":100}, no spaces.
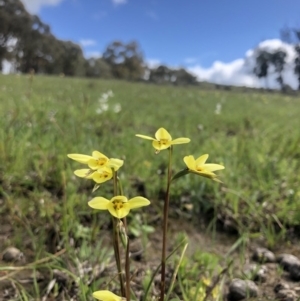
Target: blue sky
{"x":175,"y":32}
{"x":186,"y":33}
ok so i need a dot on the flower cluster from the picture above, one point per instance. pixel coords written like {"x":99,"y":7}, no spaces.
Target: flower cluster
{"x":163,"y":140}
{"x":100,"y":169}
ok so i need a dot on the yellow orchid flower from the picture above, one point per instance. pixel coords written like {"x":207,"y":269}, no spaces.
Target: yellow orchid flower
{"x":97,"y":160}
{"x":99,"y":176}
{"x":163,"y":139}
{"x":118,"y":206}
{"x":107,"y":296}
{"x":199,"y":167}
{"x":100,"y":166}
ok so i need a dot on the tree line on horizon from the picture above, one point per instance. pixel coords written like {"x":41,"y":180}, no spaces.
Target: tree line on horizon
{"x":275,"y":61}
{"x":28,"y":44}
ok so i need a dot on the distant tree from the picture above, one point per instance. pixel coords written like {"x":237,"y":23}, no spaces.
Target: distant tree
{"x":125,"y":60}
{"x":71,"y":59}
{"x":34,"y":47}
{"x":292,"y":36}
{"x":278,"y":60}
{"x":297,"y":64}
{"x":182,"y":77}
{"x":14,"y":23}
{"x":161,"y":74}
{"x":264,"y":60}
{"x":297,"y":59}
{"x":98,"y":68}
{"x":262,"y":65}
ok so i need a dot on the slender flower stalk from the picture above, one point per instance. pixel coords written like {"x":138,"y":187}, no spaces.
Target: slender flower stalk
{"x":165,"y":229}
{"x":127,"y":271}
{"x":116,"y":241}
{"x":127,"y":259}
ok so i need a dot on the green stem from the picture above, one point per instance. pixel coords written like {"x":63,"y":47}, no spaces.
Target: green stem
{"x":165,"y":229}
{"x":127,"y":260}
{"x":115,"y":179}
{"x":116,"y":241}
{"x":120,"y":186}
{"x":127,"y":272}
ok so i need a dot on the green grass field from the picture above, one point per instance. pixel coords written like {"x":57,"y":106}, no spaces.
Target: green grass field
{"x":43,"y":206}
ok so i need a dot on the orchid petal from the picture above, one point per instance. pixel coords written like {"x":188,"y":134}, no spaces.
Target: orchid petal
{"x":162,"y":134}
{"x":138,"y":202}
{"x":80,"y":158}
{"x":144,"y":137}
{"x":201,"y":160}
{"x":190,"y":162}
{"x":180,"y":141}
{"x":115,"y":163}
{"x":84,"y":173}
{"x":98,"y":155}
{"x":99,"y":203}
{"x":213,"y":167}
{"x":106,"y":296}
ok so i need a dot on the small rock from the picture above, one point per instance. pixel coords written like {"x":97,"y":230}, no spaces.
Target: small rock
{"x":286,"y":295}
{"x":281,"y":286}
{"x":240,"y":289}
{"x":295,"y":272}
{"x":12,"y":254}
{"x":287,"y":261}
{"x":263,"y":255}
{"x":296,"y":289}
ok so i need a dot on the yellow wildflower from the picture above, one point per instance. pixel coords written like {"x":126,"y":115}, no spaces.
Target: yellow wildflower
{"x":100,"y":166}
{"x":99,"y":176}
{"x":199,"y":167}
{"x":97,"y":160}
{"x":107,"y":296}
{"x":163,"y":139}
{"x":119,"y":206}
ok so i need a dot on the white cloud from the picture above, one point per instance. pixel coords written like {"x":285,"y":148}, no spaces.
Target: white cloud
{"x":34,"y":6}
{"x":87,"y":42}
{"x":239,"y":72}
{"x":118,"y":2}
